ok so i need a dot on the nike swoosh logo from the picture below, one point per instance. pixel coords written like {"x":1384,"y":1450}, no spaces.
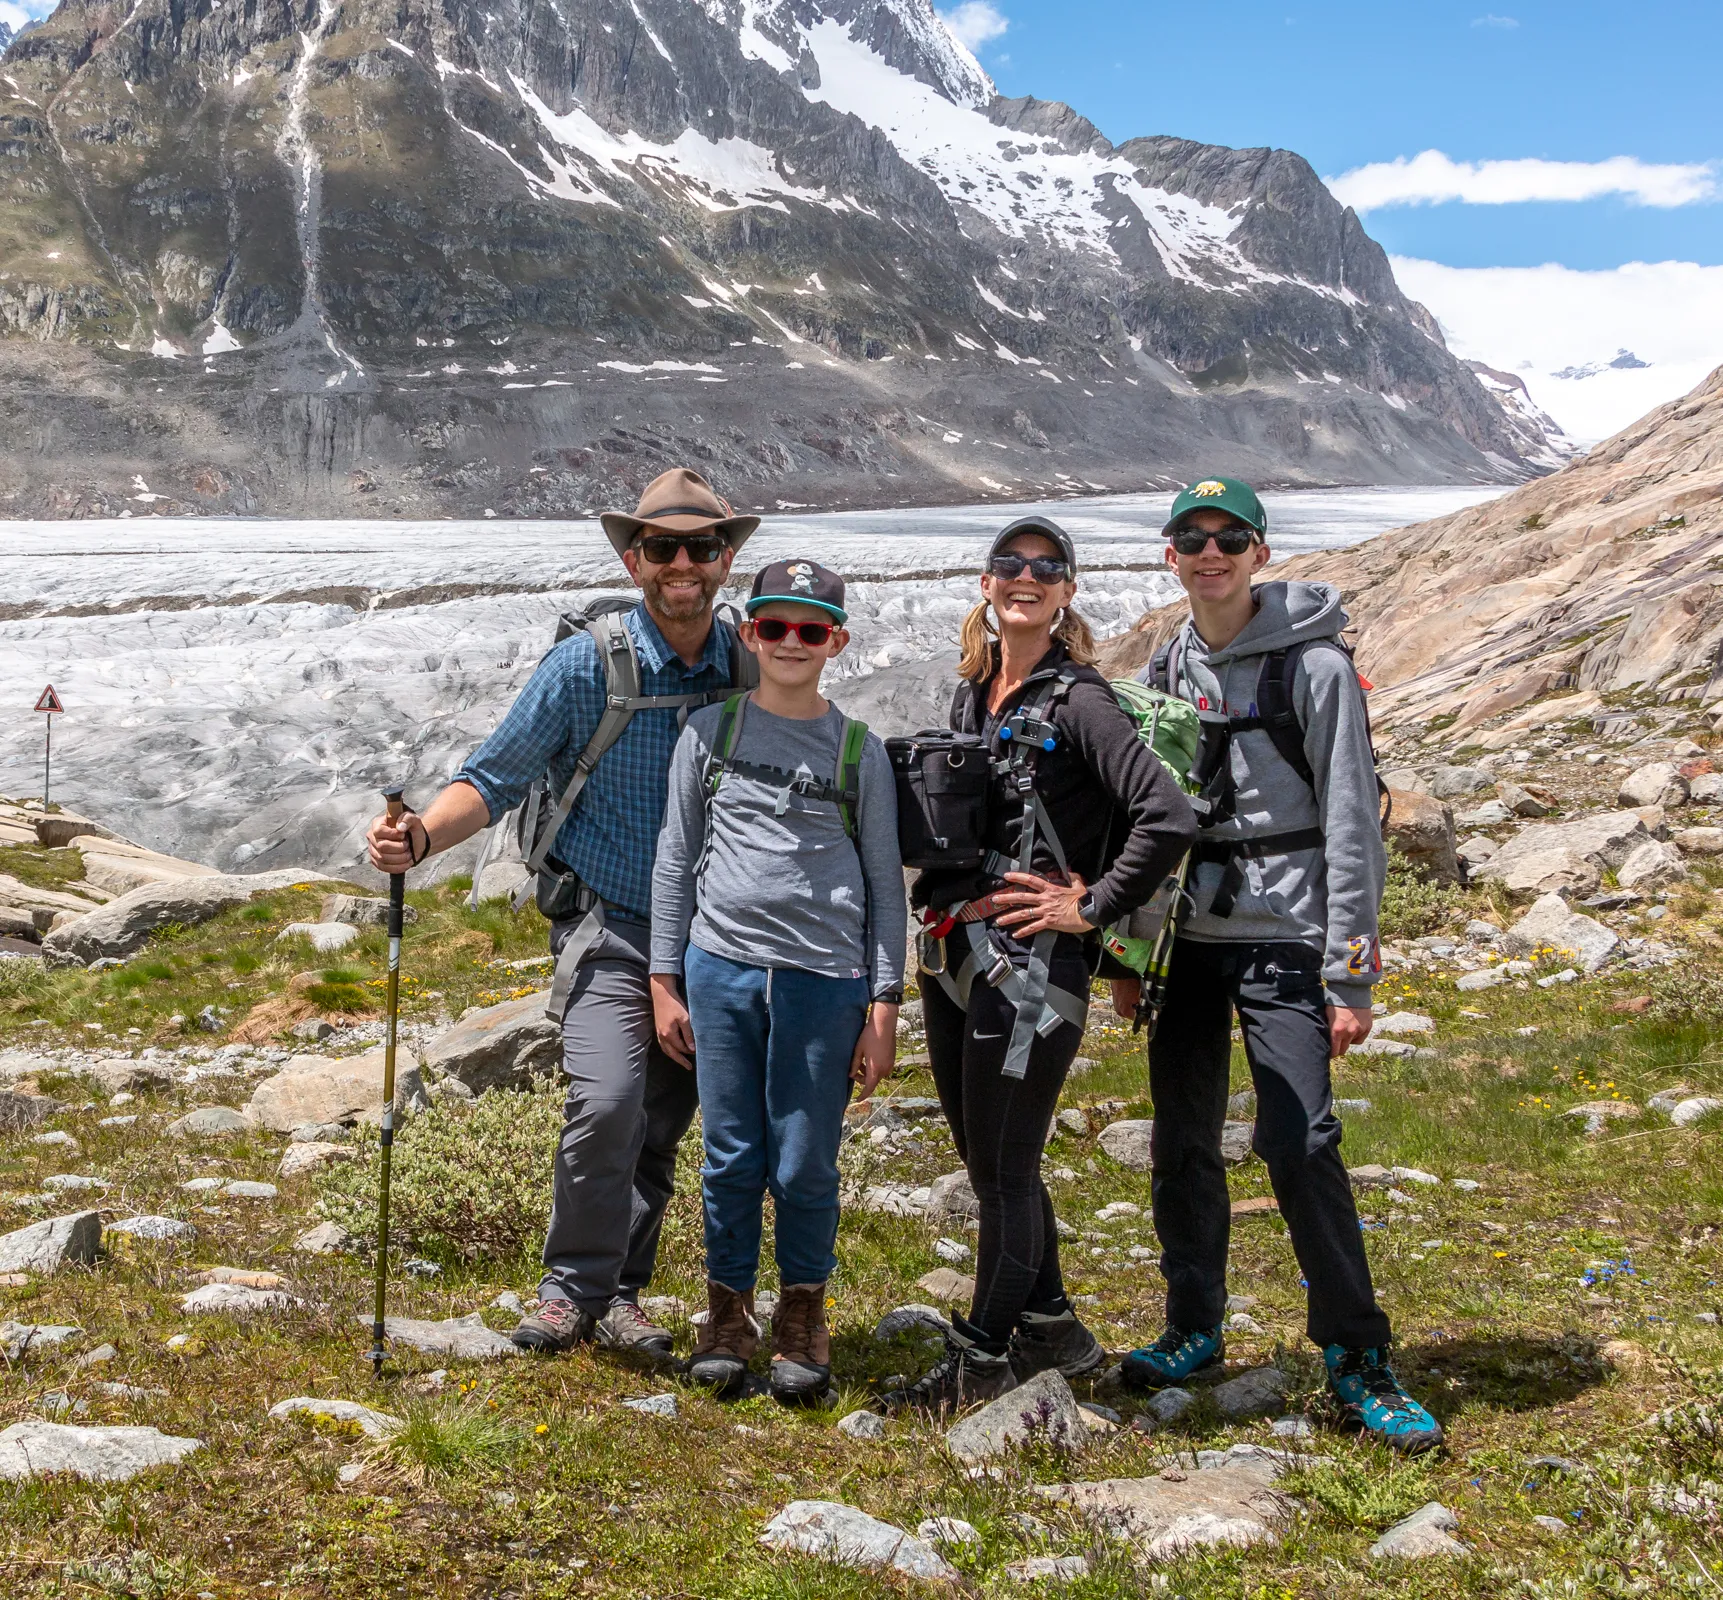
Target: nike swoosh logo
{"x":987,"y":1036}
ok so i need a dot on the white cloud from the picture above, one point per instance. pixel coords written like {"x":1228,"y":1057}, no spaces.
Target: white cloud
{"x":1538,"y":321}
{"x":1431,"y":177}
{"x":1491,"y":20}
{"x":975,"y":22}
{"x":15,"y":15}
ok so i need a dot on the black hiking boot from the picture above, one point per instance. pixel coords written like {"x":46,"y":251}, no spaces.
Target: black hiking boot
{"x":965,"y":1375}
{"x":556,"y":1326}
{"x":1041,"y":1342}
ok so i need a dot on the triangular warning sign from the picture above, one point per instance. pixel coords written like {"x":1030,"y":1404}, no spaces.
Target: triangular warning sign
{"x":49,"y":701}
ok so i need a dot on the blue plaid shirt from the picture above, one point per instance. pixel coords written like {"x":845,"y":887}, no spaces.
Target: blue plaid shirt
{"x":611,"y":838}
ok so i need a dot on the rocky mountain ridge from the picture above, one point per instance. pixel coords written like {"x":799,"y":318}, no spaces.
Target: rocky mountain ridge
{"x":335,"y":256}
{"x":1590,"y":599}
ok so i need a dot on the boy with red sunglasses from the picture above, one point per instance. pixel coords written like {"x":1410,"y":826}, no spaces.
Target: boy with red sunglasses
{"x":778,"y":925}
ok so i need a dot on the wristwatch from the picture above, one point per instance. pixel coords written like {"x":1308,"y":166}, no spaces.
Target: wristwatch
{"x":891,"y":997}
{"x":1086,"y":910}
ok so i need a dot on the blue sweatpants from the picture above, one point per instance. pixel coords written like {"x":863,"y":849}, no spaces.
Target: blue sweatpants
{"x":772,"y":1049}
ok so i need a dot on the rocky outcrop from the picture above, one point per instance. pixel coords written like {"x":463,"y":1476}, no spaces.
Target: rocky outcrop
{"x":816,"y":211}
{"x":319,"y":1089}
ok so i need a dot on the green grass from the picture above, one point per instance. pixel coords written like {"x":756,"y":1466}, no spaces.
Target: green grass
{"x":528,"y":1478}
{"x":40,"y":867}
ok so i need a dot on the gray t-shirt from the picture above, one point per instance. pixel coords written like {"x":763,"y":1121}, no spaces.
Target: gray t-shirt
{"x":779,"y":883}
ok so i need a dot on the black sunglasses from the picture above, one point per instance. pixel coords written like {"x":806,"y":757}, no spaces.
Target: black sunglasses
{"x":703,"y":548}
{"x":775,"y":629}
{"x":1043,"y":569}
{"x":1229,"y":541}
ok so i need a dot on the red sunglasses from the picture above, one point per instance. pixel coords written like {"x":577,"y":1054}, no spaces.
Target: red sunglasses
{"x":775,"y":629}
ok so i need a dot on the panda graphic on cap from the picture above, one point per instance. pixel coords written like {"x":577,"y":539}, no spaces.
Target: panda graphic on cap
{"x":805,"y":583}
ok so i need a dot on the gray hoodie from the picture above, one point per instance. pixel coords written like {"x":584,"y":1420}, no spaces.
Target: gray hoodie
{"x":1326,"y":897}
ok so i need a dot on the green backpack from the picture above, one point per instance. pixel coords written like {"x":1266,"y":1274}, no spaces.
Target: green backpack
{"x":1172,"y":729}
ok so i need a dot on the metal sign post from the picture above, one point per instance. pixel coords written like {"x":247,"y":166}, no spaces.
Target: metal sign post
{"x":48,"y":703}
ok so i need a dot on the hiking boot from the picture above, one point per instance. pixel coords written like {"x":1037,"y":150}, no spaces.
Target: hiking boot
{"x":962,"y":1376}
{"x":626,"y":1328}
{"x":1178,"y":1354}
{"x":726,"y":1341}
{"x":801,"y":1346}
{"x":1040,"y":1343}
{"x":556,"y":1326}
{"x":1372,"y":1400}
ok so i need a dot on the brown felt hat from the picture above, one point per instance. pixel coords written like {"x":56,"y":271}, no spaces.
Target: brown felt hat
{"x":679,"y":501}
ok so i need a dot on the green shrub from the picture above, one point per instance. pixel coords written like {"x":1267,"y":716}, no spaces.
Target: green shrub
{"x":1361,"y":1491}
{"x":1413,"y":905}
{"x":468,"y":1181}
{"x":1687,"y":995}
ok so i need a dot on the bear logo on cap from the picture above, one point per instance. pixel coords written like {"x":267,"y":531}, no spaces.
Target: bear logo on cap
{"x":1209,"y":486}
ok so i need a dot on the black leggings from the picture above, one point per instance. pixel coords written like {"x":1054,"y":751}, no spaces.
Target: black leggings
{"x":1000,"y":1128}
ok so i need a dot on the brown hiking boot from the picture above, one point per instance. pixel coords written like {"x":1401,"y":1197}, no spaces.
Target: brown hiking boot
{"x":557,"y":1325}
{"x":627,"y":1329}
{"x":726,"y":1341}
{"x":801,"y":1346}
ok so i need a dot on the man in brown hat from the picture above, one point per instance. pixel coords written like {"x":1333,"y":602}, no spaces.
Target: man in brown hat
{"x":599,"y":720}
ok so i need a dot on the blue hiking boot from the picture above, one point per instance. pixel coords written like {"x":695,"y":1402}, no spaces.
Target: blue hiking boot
{"x":1372,"y":1399}
{"x":1178,"y":1354}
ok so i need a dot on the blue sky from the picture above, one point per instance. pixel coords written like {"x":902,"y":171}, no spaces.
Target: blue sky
{"x":1538,"y":284}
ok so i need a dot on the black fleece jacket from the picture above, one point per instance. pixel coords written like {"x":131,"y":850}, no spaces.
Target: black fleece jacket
{"x":1122,"y":819}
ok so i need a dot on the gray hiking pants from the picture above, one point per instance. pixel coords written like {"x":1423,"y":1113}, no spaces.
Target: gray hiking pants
{"x":628,"y":1106}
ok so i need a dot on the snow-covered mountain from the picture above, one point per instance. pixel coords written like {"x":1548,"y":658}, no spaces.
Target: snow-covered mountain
{"x":1542,"y":440}
{"x":387,"y":256}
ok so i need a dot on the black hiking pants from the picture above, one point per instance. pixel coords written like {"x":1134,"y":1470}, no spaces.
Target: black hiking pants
{"x":999,"y":1126}
{"x":1276,"y":990}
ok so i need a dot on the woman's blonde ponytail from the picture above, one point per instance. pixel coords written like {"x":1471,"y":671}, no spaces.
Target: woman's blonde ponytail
{"x":978,"y":634}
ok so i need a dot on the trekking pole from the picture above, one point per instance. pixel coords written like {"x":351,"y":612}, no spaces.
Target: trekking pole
{"x":1153,"y":995}
{"x":397,"y":903}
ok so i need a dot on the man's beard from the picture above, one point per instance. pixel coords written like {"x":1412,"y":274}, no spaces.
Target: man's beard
{"x":686,"y":602}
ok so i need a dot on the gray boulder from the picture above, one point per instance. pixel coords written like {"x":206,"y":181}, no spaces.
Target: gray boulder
{"x":952,"y":1196}
{"x":504,"y":1046}
{"x":1429,"y":1531}
{"x":122,"y":1075}
{"x":18,"y":1111}
{"x":326,"y":1239}
{"x":1657,"y":783}
{"x":862,"y":1425}
{"x":1686,"y":1113}
{"x":459,"y":1338}
{"x":335,"y":1089}
{"x":45,"y":1246}
{"x":1652,"y":865}
{"x":1422,"y":829}
{"x":1229,"y":1500}
{"x":1128,"y":1142}
{"x":323,"y":937}
{"x":98,"y":1455}
{"x":1043,"y":1410}
{"x":19,"y":1340}
{"x":1551,"y":926}
{"x":835,"y":1532}
{"x":361,"y":911}
{"x":122,"y":925}
{"x":1235,"y":1140}
{"x":153,"y":1227}
{"x":373,"y":1424}
{"x":1567,"y":856}
{"x":1457,"y":783}
{"x":1261,"y":1392}
{"x":1700,"y":841}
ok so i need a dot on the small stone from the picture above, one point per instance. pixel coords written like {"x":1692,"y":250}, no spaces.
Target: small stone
{"x":327,"y":1238}
{"x":946,"y":1530}
{"x":1093,"y":1408}
{"x":115,"y":1122}
{"x":1397,"y":1022}
{"x":662,"y":1308}
{"x":320,"y":1133}
{"x":1242,"y":1322}
{"x":209,"y":1021}
{"x":1261,"y":1392}
{"x":1551,"y":1525}
{"x":153,"y":1227}
{"x":465,"y":1338}
{"x":98,"y":1455}
{"x":351,"y":1472}
{"x":945,"y":1284}
{"x":654,"y":1405}
{"x":1487,"y":978}
{"x":45,"y":1246}
{"x":1116,"y":1209}
{"x":952,"y":1196}
{"x":1370,"y":1176}
{"x":1043,"y":1410}
{"x":245,"y":1276}
{"x":1467,"y":1185}
{"x":299,"y":1159}
{"x":1240,"y":1302}
{"x":313,"y":1030}
{"x":57,"y":1137}
{"x":1352,"y":1108}
{"x":236,"y":1300}
{"x":419,"y":1267}
{"x":242,"y":1189}
{"x":211,"y":1122}
{"x":903,"y":1319}
{"x":1235,"y":1140}
{"x":1073,"y":1121}
{"x":1168,"y":1405}
{"x":21,"y":1339}
{"x":374,"y":1424}
{"x":1427,"y":1532}
{"x":323,"y":937}
{"x":202,"y":1185}
{"x":1047,"y":1569}
{"x":835,"y":1532}
{"x":952,"y":1250}
{"x":73,"y":1182}
{"x":1683,"y":1116}
{"x":1291,"y":1428}
{"x":1414,"y":1175}
{"x":511,"y":1302}
{"x":862,"y":1425}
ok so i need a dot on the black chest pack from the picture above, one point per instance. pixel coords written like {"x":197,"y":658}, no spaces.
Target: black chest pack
{"x":1216,"y":797}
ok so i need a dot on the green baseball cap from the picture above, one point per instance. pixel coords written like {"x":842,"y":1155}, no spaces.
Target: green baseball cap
{"x":1231,"y":495}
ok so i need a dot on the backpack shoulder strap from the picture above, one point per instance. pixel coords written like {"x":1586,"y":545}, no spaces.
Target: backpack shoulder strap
{"x":724,"y":739}
{"x":1160,"y":673}
{"x":744,"y":664}
{"x":848,"y":775}
{"x":1277,"y":708}
{"x":615,"y":646}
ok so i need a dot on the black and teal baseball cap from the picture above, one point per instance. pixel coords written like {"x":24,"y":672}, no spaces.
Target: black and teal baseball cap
{"x":806,"y":583}
{"x":1231,"y":495}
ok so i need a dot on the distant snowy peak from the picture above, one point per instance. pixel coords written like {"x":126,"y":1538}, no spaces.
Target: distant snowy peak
{"x":5,"y":37}
{"x":1625,"y":361}
{"x":905,"y":34}
{"x":1543,"y":440}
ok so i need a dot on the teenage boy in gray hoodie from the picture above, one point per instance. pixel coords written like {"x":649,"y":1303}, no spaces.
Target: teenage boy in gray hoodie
{"x":1286,"y":884}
